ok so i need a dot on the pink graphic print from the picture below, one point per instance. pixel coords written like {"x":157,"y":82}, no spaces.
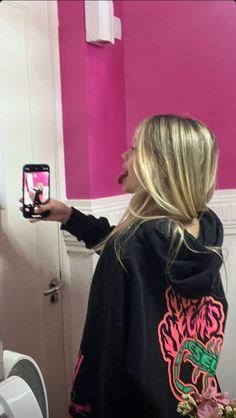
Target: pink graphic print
{"x":190,"y":337}
{"x":78,"y":364}
{"x":83,"y":410}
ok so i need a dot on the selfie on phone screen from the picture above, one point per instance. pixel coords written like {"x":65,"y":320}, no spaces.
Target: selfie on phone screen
{"x":36,"y":189}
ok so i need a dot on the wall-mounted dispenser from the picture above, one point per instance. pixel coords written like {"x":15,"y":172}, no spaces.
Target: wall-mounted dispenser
{"x":22,"y":390}
{"x":102,"y":26}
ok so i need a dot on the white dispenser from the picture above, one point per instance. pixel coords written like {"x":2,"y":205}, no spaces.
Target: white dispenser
{"x":102,"y":26}
{"x":22,"y":392}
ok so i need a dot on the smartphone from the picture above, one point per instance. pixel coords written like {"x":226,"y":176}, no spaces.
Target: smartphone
{"x":36,"y":189}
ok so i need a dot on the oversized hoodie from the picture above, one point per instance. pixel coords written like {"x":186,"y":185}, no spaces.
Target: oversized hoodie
{"x":149,"y":336}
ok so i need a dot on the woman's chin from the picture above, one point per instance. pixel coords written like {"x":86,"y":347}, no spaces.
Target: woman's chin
{"x":127,"y":188}
{"x":124,"y":187}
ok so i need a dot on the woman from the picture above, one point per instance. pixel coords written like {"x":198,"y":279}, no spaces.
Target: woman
{"x":157,"y":310}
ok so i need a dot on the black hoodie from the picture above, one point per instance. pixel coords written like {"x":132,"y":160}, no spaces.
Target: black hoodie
{"x":152,"y":333}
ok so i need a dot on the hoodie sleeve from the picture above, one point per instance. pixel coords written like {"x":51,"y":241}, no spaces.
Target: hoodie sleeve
{"x":87,"y":228}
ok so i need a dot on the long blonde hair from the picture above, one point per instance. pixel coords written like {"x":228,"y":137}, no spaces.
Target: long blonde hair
{"x":176,"y":162}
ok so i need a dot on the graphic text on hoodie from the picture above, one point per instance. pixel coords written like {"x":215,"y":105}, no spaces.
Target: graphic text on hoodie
{"x":190,"y":337}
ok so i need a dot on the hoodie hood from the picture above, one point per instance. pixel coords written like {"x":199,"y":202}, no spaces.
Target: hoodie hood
{"x":194,"y":273}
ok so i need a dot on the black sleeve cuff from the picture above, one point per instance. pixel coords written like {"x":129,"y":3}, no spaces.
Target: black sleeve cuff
{"x":87,"y":228}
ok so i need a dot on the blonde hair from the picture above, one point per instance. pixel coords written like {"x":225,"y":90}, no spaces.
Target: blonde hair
{"x":176,"y":162}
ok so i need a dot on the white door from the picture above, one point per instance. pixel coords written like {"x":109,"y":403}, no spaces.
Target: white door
{"x":29,"y":254}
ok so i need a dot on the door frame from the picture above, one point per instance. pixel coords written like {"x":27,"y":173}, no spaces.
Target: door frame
{"x":60,"y":179}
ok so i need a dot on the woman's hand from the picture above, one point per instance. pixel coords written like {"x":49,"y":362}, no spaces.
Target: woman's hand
{"x":59,"y":211}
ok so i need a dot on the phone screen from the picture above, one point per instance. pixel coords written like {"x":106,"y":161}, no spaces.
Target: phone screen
{"x":36,"y":188}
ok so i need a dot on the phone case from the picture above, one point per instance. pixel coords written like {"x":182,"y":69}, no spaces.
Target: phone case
{"x":36,"y":189}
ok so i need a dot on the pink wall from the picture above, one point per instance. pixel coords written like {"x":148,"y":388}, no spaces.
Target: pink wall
{"x":175,"y":57}
{"x":106,"y":110}
{"x":74,"y":101}
{"x":93,"y":101}
{"x":180,"y":57}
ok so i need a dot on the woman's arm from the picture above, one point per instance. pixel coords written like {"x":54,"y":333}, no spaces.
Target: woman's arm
{"x":87,"y":228}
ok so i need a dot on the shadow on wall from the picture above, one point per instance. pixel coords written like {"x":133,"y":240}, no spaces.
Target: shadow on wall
{"x":17,"y":305}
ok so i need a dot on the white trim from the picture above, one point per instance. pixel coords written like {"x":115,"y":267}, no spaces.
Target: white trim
{"x":223,"y":203}
{"x":111,"y":208}
{"x":56,"y":82}
{"x":60,"y":179}
{"x":102,"y":205}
